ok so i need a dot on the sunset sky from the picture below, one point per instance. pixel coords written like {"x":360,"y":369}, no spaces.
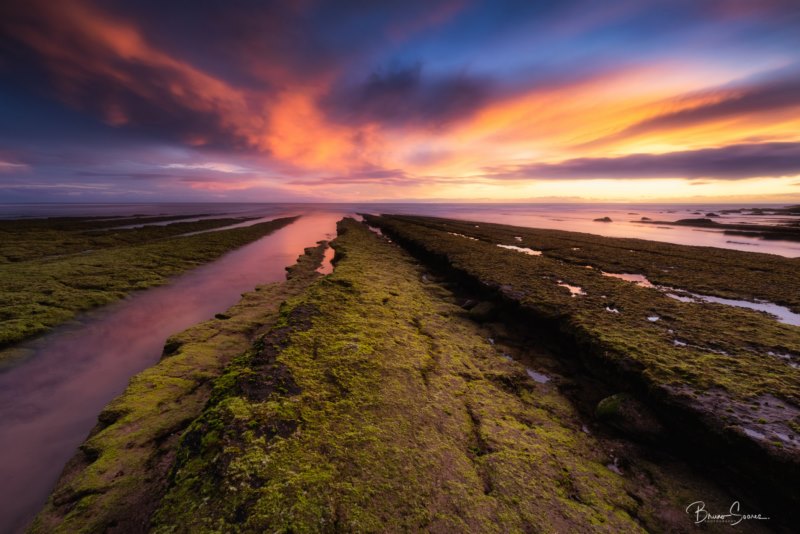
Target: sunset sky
{"x":621,"y":100}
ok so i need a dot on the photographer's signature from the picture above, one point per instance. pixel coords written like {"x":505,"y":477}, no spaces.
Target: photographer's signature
{"x":733,"y":517}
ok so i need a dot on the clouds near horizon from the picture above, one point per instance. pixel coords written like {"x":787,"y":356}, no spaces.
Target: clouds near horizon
{"x":339,"y":100}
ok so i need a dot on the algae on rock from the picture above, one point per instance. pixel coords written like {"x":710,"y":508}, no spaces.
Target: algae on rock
{"x":119,"y":474}
{"x":372,"y":406}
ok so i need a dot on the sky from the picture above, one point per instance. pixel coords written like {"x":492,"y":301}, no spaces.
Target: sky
{"x":353,"y":100}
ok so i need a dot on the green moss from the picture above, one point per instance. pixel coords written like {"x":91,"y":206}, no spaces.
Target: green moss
{"x":724,"y":347}
{"x":402,"y":417}
{"x":609,"y":407}
{"x":121,"y":472}
{"x":31,"y":239}
{"x":701,"y":358}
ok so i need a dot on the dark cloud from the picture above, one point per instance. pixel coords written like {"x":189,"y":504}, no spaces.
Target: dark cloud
{"x":102,"y":64}
{"x":734,"y":162}
{"x":364,"y":176}
{"x":399,"y":96}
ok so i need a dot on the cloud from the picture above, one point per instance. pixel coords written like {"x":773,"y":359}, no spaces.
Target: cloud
{"x":734,"y":162}
{"x":404,"y":96}
{"x":228,"y":168}
{"x":719,"y":104}
{"x":376,"y":176}
{"x":7,"y":166}
{"x":400,"y":93}
{"x":106,"y":65}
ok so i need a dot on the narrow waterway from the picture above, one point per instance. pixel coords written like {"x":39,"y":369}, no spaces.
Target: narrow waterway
{"x":50,"y":402}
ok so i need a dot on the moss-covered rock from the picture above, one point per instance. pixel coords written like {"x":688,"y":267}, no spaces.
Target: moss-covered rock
{"x":710,"y":370}
{"x":120,"y":473}
{"x":403,"y":418}
{"x":628,"y":415}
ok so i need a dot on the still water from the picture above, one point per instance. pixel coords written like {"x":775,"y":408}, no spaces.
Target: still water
{"x":50,"y":402}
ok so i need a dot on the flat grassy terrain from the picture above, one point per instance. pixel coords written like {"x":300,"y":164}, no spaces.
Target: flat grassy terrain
{"x":120,"y":472}
{"x":28,"y":239}
{"x":722,"y":375}
{"x":40,"y":293}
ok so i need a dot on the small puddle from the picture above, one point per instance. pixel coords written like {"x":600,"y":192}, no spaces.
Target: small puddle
{"x":524,"y":250}
{"x":377,"y":231}
{"x":681,"y":297}
{"x":573,"y":290}
{"x":327,"y":261}
{"x":611,"y":309}
{"x":653,"y":318}
{"x":638,"y":279}
{"x":464,"y":236}
{"x":615,"y":466}
{"x":537,"y":377}
{"x":781,"y":313}
{"x":517,"y":239}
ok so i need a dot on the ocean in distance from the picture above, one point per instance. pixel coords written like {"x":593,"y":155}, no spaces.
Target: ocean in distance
{"x":576,"y":217}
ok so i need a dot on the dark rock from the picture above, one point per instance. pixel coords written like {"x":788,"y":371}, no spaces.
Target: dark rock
{"x":629,"y":416}
{"x":469,"y":304}
{"x":171,"y":346}
{"x":696,"y":222}
{"x":604,"y":219}
{"x":482,"y":311}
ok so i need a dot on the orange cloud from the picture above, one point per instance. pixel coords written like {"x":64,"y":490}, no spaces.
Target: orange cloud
{"x":85,"y":48}
{"x":108,"y":64}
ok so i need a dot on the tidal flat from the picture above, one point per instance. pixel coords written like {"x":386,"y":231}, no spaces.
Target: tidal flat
{"x":438,"y":383}
{"x":53,"y":269}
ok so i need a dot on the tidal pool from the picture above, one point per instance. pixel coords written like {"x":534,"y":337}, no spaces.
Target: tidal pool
{"x":524,"y":250}
{"x":780,"y":313}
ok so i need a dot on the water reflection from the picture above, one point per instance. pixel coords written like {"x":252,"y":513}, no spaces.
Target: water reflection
{"x":638,"y":279}
{"x":49,"y":403}
{"x":327,"y":261}
{"x":524,"y":250}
